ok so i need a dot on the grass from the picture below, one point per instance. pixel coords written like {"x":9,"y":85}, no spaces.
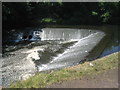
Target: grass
{"x":42,"y":79}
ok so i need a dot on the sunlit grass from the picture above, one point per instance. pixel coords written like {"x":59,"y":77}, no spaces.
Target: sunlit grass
{"x":44,"y":79}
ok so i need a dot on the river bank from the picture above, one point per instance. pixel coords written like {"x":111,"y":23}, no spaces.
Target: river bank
{"x":108,"y":79}
{"x":87,"y":69}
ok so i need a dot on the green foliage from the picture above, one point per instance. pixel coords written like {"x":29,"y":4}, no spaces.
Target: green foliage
{"x":94,"y":13}
{"x":106,"y":16}
{"x":23,"y":14}
{"x":47,"y":20}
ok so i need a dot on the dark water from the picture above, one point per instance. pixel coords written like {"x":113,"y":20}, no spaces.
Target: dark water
{"x":52,"y":48}
{"x":114,"y":43}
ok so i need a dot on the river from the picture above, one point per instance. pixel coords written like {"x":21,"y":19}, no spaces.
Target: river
{"x":54,"y":48}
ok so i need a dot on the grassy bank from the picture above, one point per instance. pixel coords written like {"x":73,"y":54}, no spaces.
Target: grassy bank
{"x":86,"y":69}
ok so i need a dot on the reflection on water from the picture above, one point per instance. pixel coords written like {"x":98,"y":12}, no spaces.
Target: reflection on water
{"x":114,"y":43}
{"x":110,"y":51}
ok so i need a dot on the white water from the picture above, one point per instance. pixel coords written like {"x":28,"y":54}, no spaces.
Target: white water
{"x":21,"y":66}
{"x":16,"y":68}
{"x":87,"y":40}
{"x":64,"y":34}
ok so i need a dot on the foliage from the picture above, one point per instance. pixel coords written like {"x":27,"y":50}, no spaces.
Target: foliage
{"x":47,"y":20}
{"x":25,"y":14}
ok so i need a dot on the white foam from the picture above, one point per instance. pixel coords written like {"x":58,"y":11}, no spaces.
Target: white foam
{"x":33,"y":53}
{"x":74,"y":53}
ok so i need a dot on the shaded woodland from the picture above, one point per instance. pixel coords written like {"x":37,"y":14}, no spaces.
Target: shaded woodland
{"x":34,"y":14}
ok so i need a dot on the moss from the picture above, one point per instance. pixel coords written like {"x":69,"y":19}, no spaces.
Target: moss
{"x":43,"y":79}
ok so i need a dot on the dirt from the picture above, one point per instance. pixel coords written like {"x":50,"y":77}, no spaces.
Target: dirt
{"x":108,"y":79}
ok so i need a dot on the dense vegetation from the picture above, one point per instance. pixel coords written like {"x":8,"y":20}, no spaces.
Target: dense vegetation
{"x":30,"y":14}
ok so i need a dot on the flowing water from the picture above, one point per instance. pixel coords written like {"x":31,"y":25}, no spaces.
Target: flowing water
{"x":53,"y":48}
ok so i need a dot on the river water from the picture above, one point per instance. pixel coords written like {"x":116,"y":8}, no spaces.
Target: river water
{"x":54,"y":48}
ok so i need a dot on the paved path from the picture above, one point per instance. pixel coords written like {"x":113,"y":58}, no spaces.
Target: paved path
{"x":0,"y":87}
{"x":108,"y":79}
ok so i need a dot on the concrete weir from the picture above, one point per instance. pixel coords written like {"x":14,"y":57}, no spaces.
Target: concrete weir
{"x":22,"y":64}
{"x":86,"y":41}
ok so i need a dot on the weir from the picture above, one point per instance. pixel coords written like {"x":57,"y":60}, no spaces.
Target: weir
{"x":56,"y":48}
{"x":64,"y":34}
{"x":86,"y":41}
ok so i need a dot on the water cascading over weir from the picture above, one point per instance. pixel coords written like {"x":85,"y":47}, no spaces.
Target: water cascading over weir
{"x":86,"y":41}
{"x":56,"y":48}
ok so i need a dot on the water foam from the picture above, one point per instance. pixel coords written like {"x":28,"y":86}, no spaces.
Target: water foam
{"x":75,"y":53}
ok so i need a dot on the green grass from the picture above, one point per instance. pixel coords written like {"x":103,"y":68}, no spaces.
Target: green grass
{"x":42,"y":79}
